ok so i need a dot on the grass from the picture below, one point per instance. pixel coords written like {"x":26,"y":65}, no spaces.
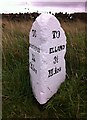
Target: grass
{"x":18,"y":101}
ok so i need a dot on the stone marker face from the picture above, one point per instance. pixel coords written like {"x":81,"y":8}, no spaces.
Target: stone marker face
{"x":46,"y":57}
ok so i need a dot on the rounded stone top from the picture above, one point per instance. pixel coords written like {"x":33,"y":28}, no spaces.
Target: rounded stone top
{"x":47,"y":28}
{"x":45,"y":18}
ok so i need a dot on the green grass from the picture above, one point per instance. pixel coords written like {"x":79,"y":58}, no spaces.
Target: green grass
{"x":18,"y":101}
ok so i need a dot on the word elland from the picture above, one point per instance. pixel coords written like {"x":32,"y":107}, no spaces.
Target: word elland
{"x":56,"y":49}
{"x":46,"y":57}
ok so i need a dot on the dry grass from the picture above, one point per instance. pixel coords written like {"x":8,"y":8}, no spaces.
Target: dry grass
{"x":74,"y":27}
{"x":22,"y":26}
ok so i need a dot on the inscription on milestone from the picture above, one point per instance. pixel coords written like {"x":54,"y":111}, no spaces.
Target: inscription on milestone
{"x":34,"y":33}
{"x":56,"y":34}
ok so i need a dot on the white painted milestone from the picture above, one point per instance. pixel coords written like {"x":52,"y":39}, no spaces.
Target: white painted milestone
{"x":46,"y":57}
